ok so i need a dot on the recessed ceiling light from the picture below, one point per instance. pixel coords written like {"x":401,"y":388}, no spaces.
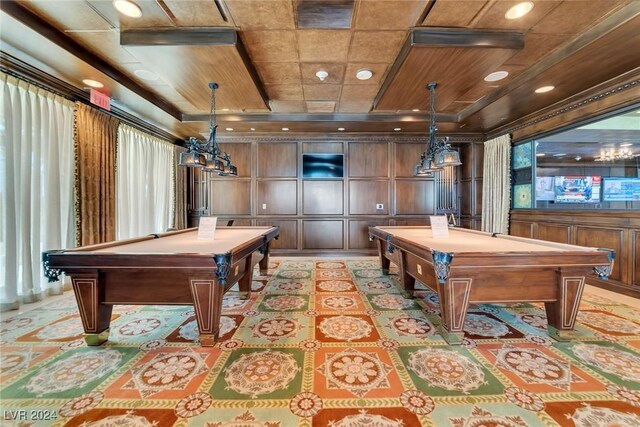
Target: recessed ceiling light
{"x":397,"y":129}
{"x":92,"y":83}
{"x":559,"y":154}
{"x":225,"y":109}
{"x":495,"y":76}
{"x":285,"y":129}
{"x":540,"y":155}
{"x":415,"y":110}
{"x":341,"y":129}
{"x":253,"y":129}
{"x":229,"y":129}
{"x":364,"y":74}
{"x":128,"y":8}
{"x":519,"y":10}
{"x":544,"y":89}
{"x":626,"y":145}
{"x":321,"y":74}
{"x":146,"y":75}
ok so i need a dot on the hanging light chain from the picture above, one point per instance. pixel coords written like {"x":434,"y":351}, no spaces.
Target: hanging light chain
{"x":212,"y":114}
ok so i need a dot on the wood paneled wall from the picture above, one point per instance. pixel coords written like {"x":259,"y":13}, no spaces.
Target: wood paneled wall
{"x":470,"y":179}
{"x":618,"y":230}
{"x":322,"y":215}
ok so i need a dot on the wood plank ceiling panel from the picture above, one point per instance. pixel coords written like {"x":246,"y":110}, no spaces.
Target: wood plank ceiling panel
{"x":195,"y":13}
{"x":70,"y":15}
{"x":271,"y":46}
{"x":199,"y":65}
{"x":285,"y":92}
{"x":578,"y":72}
{"x":376,"y":46}
{"x":388,"y":14}
{"x":323,"y":45}
{"x":379,"y":72}
{"x":262,"y":15}
{"x":494,"y":16}
{"x":456,"y":70}
{"x":453,"y":13}
{"x":335,"y":70}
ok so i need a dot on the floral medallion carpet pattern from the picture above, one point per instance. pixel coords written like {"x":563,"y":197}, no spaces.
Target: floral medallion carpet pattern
{"x":322,"y":342}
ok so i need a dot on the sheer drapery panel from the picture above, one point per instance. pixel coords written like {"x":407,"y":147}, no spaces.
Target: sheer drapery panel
{"x":496,"y":185}
{"x":180,"y":185}
{"x":36,"y":187}
{"x":145,"y":191}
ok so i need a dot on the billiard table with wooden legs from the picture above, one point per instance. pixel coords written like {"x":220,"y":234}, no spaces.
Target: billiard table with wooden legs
{"x":173,"y":268}
{"x":473,"y":267}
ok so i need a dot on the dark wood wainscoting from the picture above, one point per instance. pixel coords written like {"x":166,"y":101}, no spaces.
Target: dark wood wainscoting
{"x":325,"y":215}
{"x":618,"y":230}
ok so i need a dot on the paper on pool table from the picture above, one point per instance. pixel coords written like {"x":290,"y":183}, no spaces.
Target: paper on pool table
{"x":473,"y":241}
{"x":181,"y":243}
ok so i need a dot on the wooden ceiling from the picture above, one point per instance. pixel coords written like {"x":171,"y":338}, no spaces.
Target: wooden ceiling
{"x":264,"y":55}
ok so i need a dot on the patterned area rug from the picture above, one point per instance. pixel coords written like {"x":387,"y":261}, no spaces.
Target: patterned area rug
{"x":322,"y":342}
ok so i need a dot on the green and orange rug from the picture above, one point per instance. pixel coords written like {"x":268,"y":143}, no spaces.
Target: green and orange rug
{"x":322,"y":342}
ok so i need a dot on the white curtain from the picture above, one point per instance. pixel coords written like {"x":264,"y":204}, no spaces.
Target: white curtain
{"x":36,"y":187}
{"x":144,"y":183}
{"x":496,"y":185}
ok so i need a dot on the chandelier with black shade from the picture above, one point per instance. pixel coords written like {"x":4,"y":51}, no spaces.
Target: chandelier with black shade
{"x":439,"y":153}
{"x":207,"y":154}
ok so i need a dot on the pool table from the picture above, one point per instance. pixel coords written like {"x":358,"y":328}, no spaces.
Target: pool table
{"x":473,"y":267}
{"x":173,"y":268}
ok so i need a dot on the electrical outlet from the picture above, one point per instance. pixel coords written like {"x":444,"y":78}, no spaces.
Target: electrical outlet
{"x":419,"y":269}
{"x":379,"y":206}
{"x":264,"y":206}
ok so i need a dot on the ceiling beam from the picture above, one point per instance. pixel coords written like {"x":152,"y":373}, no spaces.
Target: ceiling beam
{"x":44,"y":28}
{"x":448,"y":37}
{"x":307,"y":117}
{"x":462,"y":37}
{"x":196,"y":37}
{"x":179,"y":37}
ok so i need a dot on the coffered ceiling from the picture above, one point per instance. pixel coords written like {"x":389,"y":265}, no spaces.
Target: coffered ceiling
{"x":264,"y":54}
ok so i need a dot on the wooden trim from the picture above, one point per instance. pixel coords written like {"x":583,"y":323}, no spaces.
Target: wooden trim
{"x":462,"y":37}
{"x":345,"y":137}
{"x":222,"y":10}
{"x":320,"y":117}
{"x":39,"y":25}
{"x":623,"y":92}
{"x":253,"y":73}
{"x":179,"y":37}
{"x":24,"y":71}
{"x":607,"y":25}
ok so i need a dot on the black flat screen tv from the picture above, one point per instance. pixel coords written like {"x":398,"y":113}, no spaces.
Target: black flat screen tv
{"x":322,"y":165}
{"x":621,"y":189}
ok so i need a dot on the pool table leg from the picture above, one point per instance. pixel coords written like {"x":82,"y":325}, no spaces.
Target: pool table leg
{"x":244,"y":284}
{"x":407,"y":280}
{"x":264,"y":262}
{"x":561,"y":314}
{"x":454,"y":302}
{"x":207,"y":302}
{"x":384,"y":261}
{"x":95,"y":315}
